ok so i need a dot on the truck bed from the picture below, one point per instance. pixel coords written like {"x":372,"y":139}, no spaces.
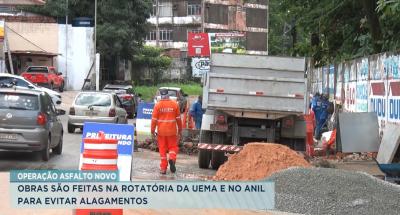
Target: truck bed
{"x":250,"y":83}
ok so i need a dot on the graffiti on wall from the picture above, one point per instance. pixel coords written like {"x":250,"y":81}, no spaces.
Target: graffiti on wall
{"x":366,"y":84}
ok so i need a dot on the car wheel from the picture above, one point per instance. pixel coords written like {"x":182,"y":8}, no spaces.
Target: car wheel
{"x":58,"y":148}
{"x":71,"y":128}
{"x":61,"y":89}
{"x":46,"y":151}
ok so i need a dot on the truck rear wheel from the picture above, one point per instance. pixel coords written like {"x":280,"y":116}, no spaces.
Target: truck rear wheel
{"x":217,"y":158}
{"x":204,"y":156}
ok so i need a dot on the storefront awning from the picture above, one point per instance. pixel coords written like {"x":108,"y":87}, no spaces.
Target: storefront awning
{"x":34,"y":53}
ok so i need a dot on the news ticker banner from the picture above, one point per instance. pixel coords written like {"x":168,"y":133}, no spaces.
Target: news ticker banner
{"x":101,"y":189}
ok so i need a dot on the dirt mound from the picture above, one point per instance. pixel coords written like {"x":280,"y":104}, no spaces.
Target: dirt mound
{"x":258,"y":161}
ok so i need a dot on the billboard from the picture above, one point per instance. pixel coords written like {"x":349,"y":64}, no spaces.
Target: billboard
{"x":198,"y":45}
{"x":228,"y":43}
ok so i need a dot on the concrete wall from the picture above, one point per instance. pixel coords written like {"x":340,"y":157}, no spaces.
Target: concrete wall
{"x":80,"y":54}
{"x":43,"y":37}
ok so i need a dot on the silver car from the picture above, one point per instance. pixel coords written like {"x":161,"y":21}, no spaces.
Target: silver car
{"x":103,"y":107}
{"x":19,"y":81}
{"x":29,"y":121}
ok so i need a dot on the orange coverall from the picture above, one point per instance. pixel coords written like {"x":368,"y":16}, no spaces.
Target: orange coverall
{"x":167,"y":118}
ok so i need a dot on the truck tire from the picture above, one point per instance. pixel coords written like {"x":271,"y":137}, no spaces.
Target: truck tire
{"x":217,"y":158}
{"x":204,"y":156}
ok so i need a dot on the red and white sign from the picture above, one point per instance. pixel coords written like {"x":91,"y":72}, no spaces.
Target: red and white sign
{"x":198,"y":45}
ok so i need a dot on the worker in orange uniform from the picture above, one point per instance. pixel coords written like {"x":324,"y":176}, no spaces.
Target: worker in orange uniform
{"x":167,"y":119}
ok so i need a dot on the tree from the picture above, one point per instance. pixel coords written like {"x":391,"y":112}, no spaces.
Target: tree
{"x":343,"y":29}
{"x":121,"y":24}
{"x":152,"y":59}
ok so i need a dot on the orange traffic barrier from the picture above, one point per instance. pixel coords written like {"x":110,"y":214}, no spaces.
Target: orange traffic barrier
{"x":99,"y":154}
{"x":187,"y":120}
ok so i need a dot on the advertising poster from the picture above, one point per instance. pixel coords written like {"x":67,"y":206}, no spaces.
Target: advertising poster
{"x":228,"y":43}
{"x":339,"y":83}
{"x":143,"y":122}
{"x":200,"y":66}
{"x":393,"y":102}
{"x":350,"y":94}
{"x":331,"y":83}
{"x":198,"y":45}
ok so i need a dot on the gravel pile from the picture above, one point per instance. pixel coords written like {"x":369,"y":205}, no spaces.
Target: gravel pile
{"x":332,"y":191}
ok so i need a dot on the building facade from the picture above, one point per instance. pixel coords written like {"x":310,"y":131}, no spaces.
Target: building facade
{"x":171,"y":20}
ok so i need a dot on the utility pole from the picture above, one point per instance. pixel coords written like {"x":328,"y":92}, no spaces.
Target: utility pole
{"x":95,"y":46}
{"x":268,"y":7}
{"x":157,"y":27}
{"x":7,"y":45}
{"x":66,"y":44}
{"x":203,"y":16}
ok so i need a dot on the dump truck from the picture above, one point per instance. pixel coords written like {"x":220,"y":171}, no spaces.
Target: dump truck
{"x":251,"y":98}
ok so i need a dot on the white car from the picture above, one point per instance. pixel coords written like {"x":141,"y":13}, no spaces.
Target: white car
{"x":175,"y":94}
{"x":21,"y":82}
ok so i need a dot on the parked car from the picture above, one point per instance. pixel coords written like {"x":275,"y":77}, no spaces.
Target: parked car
{"x":29,"y":121}
{"x":128,"y":102}
{"x":45,"y":76}
{"x":176,"y":94}
{"x":21,"y":83}
{"x":125,"y":89}
{"x":103,"y":107}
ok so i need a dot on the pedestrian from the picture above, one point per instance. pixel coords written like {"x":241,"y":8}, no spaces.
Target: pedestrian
{"x":197,"y":112}
{"x":321,"y":115}
{"x":166,"y":119}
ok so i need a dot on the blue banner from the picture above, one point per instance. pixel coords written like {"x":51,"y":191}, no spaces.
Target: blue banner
{"x":145,"y":110}
{"x":122,"y":132}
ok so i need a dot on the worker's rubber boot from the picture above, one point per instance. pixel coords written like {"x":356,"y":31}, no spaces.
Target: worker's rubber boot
{"x":172,"y":166}
{"x":163,"y":172}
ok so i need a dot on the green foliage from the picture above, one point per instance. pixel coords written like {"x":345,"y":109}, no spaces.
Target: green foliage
{"x":148,"y":92}
{"x":345,"y":28}
{"x":152,"y":57}
{"x":121,"y":24}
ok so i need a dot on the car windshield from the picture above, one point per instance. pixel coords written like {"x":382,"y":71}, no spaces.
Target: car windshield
{"x":171,"y":93}
{"x":37,"y":69}
{"x":116,"y":90}
{"x":7,"y":81}
{"x":93,"y":99}
{"x":19,"y":101}
{"x":126,"y":99}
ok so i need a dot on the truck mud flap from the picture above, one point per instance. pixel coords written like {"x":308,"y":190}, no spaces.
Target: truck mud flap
{"x":219,"y":147}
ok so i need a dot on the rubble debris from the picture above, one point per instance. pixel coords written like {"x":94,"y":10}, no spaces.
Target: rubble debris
{"x":333,"y":191}
{"x":259,"y":160}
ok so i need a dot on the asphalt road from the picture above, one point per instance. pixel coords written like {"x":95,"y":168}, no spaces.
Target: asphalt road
{"x":145,"y":164}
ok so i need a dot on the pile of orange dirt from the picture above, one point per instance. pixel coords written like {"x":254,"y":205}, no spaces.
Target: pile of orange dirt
{"x":258,"y":161}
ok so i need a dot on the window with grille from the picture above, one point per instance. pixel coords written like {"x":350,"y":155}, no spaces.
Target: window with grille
{"x":151,"y":36}
{"x":165,"y":35}
{"x":193,"y":9}
{"x":164,"y":9}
